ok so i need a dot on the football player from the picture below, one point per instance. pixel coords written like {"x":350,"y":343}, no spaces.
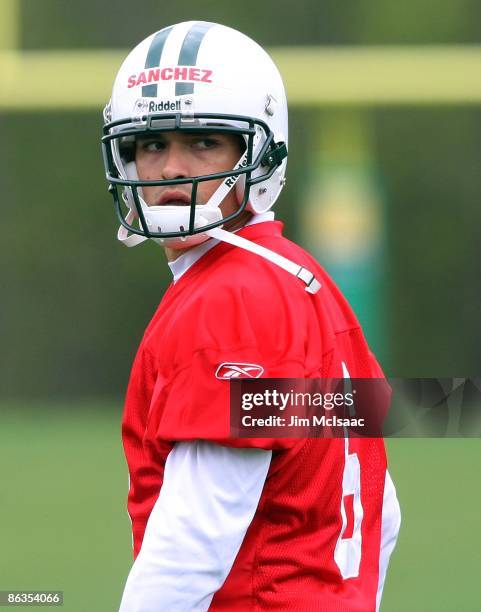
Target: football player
{"x":195,"y":148}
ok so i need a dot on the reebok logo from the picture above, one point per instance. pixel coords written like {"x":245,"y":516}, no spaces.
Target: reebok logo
{"x":226,"y":371}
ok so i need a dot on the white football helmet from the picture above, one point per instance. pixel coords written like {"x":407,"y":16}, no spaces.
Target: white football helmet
{"x":198,"y":77}
{"x":195,"y":76}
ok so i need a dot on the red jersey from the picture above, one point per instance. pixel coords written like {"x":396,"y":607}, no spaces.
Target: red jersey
{"x":316,"y":538}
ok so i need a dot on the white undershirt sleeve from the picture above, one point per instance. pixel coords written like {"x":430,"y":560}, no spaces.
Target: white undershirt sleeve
{"x":207,"y":502}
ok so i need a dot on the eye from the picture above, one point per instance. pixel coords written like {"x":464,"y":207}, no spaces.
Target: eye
{"x":206,"y":143}
{"x":152,"y":146}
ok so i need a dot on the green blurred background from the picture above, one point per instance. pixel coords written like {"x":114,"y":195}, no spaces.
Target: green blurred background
{"x":385,"y":192}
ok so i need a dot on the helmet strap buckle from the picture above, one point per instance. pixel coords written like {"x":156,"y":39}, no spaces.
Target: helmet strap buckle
{"x":275,"y":156}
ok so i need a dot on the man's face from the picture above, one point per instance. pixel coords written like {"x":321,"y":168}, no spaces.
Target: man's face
{"x":172,"y":155}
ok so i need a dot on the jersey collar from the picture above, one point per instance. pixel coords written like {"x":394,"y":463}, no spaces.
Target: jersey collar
{"x":180,"y":266}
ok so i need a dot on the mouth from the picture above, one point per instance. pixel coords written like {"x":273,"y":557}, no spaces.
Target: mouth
{"x":174,"y":198}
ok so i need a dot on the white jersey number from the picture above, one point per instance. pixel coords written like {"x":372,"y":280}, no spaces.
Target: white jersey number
{"x":347,"y":553}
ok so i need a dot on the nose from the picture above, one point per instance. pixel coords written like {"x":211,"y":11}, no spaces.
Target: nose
{"x":174,"y":165}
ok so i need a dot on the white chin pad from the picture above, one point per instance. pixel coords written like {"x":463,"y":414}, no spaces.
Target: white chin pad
{"x":168,"y":219}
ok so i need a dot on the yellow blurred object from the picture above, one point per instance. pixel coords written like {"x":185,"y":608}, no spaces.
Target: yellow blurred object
{"x":9,"y":24}
{"x":314,"y":76}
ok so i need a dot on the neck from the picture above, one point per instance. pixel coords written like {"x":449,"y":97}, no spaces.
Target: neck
{"x":231,"y":226}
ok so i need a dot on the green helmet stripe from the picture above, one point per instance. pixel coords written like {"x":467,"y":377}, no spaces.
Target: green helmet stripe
{"x":188,"y":53}
{"x":153,"y":59}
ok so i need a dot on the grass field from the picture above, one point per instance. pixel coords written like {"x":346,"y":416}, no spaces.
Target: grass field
{"x":63,"y":522}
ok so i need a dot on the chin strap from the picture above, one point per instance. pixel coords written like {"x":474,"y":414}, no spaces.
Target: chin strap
{"x":129,"y":240}
{"x":312,"y":284}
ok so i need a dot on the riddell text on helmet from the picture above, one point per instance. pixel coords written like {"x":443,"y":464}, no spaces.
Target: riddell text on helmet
{"x":177,"y":73}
